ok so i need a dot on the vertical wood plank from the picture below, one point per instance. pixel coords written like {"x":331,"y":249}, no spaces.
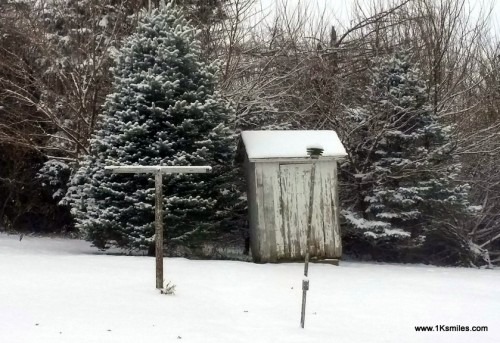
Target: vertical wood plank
{"x":284,"y":239}
{"x":327,"y":210}
{"x":285,"y":211}
{"x":261,"y":220}
{"x":303,"y":179}
{"x":279,"y":239}
{"x":159,"y":229}
{"x":295,"y":179}
{"x":253,"y":210}
{"x":269,"y":208}
{"x":336,"y":231}
{"x":316,"y":219}
{"x":296,"y":198}
{"x":324,"y":209}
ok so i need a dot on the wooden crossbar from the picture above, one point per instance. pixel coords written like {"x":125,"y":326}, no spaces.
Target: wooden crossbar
{"x":159,"y":169}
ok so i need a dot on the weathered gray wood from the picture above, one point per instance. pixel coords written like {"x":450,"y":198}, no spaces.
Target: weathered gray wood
{"x":310,"y":216}
{"x":278,"y":199}
{"x":294,"y":180}
{"x":261,"y":253}
{"x":159,"y":228}
{"x":263,"y":227}
{"x":253,"y":210}
{"x":162,"y":169}
{"x":325,"y":222}
{"x":316,"y":244}
{"x":272,"y":209}
{"x":336,"y":214}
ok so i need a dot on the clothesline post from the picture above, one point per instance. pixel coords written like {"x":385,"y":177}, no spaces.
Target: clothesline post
{"x":158,"y":172}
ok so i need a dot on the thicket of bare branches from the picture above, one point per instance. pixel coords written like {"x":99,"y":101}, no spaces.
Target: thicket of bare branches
{"x":54,"y":75}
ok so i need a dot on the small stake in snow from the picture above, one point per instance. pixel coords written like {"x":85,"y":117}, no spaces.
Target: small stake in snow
{"x":158,"y":171}
{"x":314,"y":152}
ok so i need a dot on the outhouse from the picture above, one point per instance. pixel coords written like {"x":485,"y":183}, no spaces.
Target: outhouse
{"x":278,"y":172}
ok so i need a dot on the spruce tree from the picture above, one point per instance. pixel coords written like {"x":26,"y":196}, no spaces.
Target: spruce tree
{"x":164,"y":110}
{"x":404,"y":170}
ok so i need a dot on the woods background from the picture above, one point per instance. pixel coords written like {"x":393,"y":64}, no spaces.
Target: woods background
{"x":291,"y":69}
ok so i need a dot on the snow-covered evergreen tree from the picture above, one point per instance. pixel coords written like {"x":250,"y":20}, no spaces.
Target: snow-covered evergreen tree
{"x":166,"y":111}
{"x":403,"y":165}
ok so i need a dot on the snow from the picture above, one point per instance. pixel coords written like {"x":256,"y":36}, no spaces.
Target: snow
{"x":58,"y":290}
{"x":291,"y":144}
{"x":104,"y":22}
{"x":362,"y":223}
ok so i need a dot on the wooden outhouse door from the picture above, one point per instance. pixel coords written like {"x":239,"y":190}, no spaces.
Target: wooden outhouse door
{"x":295,"y":182}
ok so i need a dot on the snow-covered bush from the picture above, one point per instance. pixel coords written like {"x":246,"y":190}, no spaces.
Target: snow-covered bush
{"x":164,"y":110}
{"x":54,"y":176}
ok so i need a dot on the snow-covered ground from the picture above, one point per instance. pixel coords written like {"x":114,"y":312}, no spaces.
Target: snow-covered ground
{"x":57,"y":290}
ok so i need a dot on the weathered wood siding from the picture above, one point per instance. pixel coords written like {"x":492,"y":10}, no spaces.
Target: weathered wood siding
{"x":278,"y":210}
{"x":253,"y":210}
{"x":266,"y":213}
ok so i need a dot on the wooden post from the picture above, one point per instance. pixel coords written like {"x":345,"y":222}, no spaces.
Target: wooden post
{"x":315,"y":153}
{"x":159,"y":229}
{"x":158,"y":171}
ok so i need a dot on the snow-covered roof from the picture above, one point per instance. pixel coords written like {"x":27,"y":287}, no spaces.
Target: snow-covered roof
{"x":291,"y":144}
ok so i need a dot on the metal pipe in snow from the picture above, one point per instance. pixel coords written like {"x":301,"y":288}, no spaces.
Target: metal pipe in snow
{"x":314,"y":152}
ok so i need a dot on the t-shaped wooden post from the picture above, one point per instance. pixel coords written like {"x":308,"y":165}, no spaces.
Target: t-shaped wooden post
{"x":158,"y":171}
